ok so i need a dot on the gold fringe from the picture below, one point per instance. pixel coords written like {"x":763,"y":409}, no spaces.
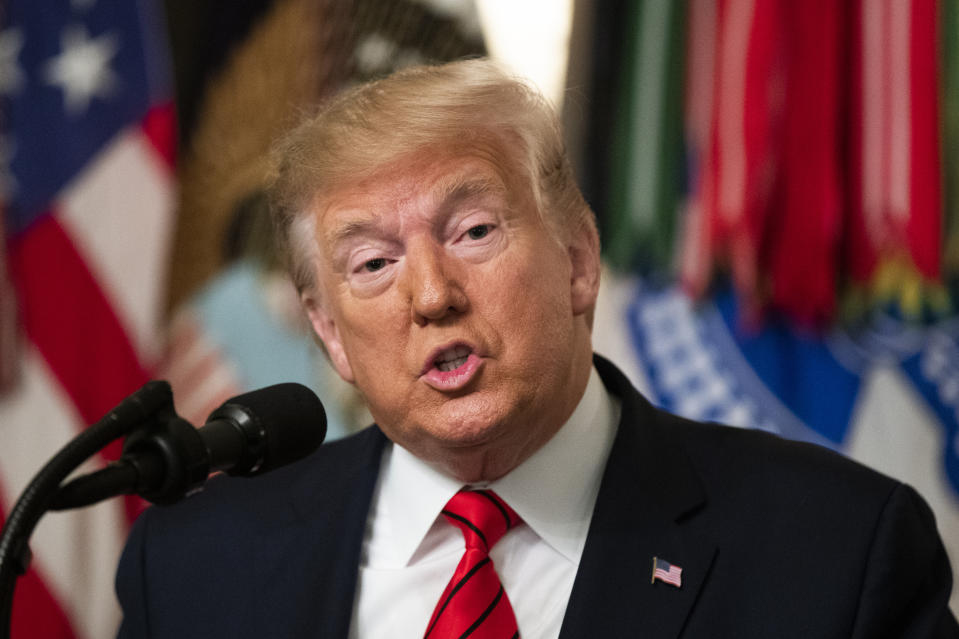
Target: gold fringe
{"x":295,"y":54}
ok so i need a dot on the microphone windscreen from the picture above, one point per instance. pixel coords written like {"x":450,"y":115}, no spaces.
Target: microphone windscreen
{"x":290,"y":416}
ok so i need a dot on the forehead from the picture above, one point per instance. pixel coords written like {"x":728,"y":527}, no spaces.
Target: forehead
{"x":428,"y":184}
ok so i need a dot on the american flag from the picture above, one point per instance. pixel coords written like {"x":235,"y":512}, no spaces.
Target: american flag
{"x":86,"y":181}
{"x":666,"y":572}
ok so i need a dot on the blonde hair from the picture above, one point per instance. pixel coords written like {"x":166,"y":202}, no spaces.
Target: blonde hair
{"x":455,"y":105}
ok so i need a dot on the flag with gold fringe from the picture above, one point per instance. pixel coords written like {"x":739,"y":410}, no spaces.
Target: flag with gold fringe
{"x":808,"y":283}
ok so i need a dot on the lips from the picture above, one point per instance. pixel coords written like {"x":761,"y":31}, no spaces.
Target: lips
{"x":451,"y":367}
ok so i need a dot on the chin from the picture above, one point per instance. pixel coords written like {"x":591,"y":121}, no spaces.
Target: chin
{"x":465,"y":435}
{"x":472,"y":447}
{"x":473,"y":460}
{"x":471,"y":421}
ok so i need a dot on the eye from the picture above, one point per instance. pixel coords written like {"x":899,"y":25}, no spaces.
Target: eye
{"x":375,"y":264}
{"x":478,"y":232}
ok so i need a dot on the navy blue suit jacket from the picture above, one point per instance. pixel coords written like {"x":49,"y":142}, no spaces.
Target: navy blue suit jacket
{"x":775,"y":539}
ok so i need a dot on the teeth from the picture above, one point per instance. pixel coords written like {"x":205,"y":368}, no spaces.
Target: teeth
{"x":453,"y":358}
{"x":452,"y":364}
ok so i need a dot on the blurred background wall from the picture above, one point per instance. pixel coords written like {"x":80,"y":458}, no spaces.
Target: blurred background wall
{"x":774,"y":180}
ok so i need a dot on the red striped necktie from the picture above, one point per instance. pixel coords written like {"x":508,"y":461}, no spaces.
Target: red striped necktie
{"x":474,"y":603}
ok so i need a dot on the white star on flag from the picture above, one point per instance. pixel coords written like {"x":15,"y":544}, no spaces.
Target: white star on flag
{"x":11,"y":75}
{"x":82,"y":68}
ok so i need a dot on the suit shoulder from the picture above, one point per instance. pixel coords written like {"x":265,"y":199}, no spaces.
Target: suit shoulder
{"x":729,"y":456}
{"x":280,"y":542}
{"x":749,"y":465}
{"x":335,"y":468}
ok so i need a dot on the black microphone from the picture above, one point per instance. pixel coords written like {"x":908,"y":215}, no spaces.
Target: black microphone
{"x":261,"y":430}
{"x":249,"y":434}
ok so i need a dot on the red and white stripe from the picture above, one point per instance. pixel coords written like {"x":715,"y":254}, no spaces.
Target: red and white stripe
{"x":885,"y":117}
{"x":672,"y":575}
{"x":90,"y":281}
{"x":894,"y":164}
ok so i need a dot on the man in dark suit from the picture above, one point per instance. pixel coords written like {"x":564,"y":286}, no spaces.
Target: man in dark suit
{"x":450,"y":267}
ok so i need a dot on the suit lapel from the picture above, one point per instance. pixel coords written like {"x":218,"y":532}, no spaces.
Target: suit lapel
{"x":311,"y":589}
{"x":648,"y":491}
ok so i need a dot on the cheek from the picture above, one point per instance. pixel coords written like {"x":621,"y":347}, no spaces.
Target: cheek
{"x":536,"y":305}
{"x":372,"y":322}
{"x":371,"y":342}
{"x":541,"y":286}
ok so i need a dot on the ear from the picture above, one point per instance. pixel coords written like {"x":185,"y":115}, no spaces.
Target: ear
{"x":325,"y":327}
{"x":585,"y":261}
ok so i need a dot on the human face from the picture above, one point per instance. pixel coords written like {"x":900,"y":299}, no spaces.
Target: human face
{"x":453,"y":309}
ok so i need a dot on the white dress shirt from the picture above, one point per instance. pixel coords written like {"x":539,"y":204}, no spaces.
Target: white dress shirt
{"x":410,"y":551}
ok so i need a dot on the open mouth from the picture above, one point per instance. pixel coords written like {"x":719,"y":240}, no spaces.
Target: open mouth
{"x":452,"y":358}
{"x":452,"y":368}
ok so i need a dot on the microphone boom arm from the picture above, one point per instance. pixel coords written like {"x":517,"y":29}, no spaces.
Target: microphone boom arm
{"x":152,"y":399}
{"x":164,"y":459}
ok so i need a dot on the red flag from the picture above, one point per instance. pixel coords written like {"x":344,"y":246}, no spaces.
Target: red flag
{"x":822,"y":161}
{"x":800,"y":251}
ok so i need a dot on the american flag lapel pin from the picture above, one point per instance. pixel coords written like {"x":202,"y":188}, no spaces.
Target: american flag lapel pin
{"x":667,"y":573}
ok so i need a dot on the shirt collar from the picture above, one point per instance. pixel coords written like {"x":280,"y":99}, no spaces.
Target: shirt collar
{"x":554,"y":491}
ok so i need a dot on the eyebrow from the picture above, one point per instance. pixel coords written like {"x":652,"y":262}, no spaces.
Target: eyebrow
{"x":451,"y":194}
{"x":352,"y":229}
{"x":459,"y":190}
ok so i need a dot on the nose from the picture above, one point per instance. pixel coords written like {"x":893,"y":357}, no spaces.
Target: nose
{"x":433,"y":282}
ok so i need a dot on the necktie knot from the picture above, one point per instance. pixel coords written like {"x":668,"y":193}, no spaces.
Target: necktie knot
{"x":482,"y":517}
